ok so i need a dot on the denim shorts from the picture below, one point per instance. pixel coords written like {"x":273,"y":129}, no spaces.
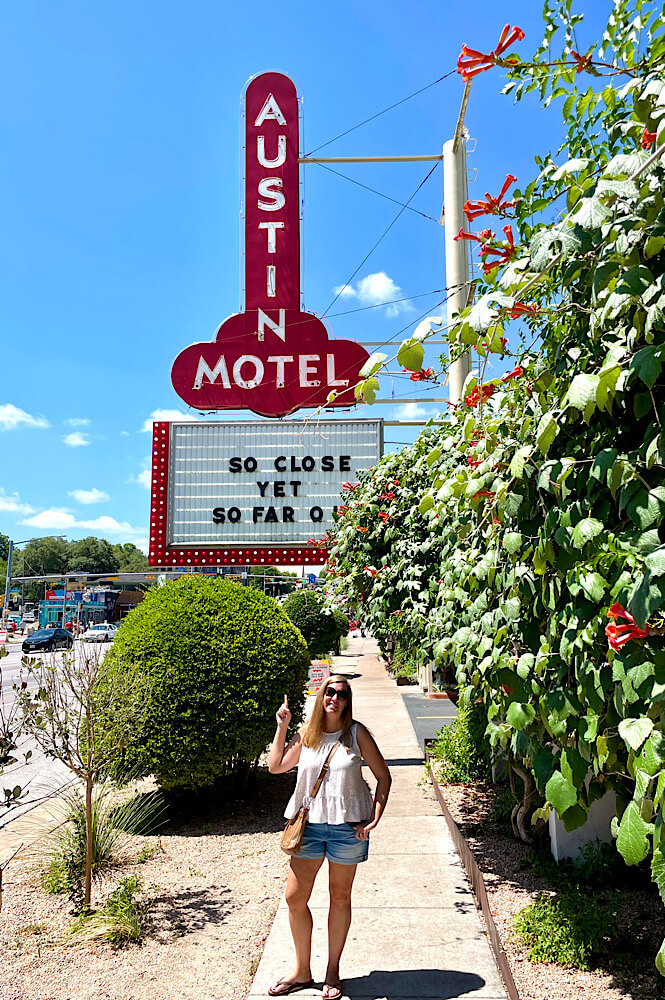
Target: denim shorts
{"x":336,"y":842}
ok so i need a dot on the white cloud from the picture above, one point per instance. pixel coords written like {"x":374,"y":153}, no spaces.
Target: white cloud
{"x":13,"y":505}
{"x":166,"y":415}
{"x":89,"y":496}
{"x":78,"y":421}
{"x":376,"y":289}
{"x":12,"y":417}
{"x":76,"y":439}
{"x":412,"y":411}
{"x":51,"y":519}
{"x":124,"y":434}
{"x":58,"y":519}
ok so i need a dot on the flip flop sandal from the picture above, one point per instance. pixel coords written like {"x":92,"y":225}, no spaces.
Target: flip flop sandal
{"x":273,"y":991}
{"x":334,"y":992}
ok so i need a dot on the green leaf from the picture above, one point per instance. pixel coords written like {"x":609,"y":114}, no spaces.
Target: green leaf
{"x":582,"y":391}
{"x":426,"y":503}
{"x":512,"y":541}
{"x":647,"y":364}
{"x":632,"y":842}
{"x":548,"y":243}
{"x":519,"y":715}
{"x":367,"y":390}
{"x":587,"y":529}
{"x":546,"y":431}
{"x":511,"y":608}
{"x":658,"y":872}
{"x":372,"y":364}
{"x":645,"y":508}
{"x":660,"y":958}
{"x":594,"y":586}
{"x":635,"y":731}
{"x":602,"y":463}
{"x":560,"y":793}
{"x":411,"y":354}
{"x":518,"y":461}
{"x":655,"y":562}
{"x":645,"y":598}
{"x":574,"y":767}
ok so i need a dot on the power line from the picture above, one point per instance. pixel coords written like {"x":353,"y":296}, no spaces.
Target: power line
{"x":381,"y":237}
{"x":379,"y":113}
{"x":388,"y":302}
{"x":380,"y":193}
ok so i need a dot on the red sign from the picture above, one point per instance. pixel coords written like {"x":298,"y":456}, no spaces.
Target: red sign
{"x":273,"y":358}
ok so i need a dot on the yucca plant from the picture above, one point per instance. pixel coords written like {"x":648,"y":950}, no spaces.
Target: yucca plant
{"x":114,"y":821}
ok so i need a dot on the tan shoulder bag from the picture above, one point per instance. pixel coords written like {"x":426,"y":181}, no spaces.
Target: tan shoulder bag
{"x":294,"y":829}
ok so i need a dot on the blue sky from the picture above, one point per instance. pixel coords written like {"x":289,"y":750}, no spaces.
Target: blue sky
{"x":121,"y":197}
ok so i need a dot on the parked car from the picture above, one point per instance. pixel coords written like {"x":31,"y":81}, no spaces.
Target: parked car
{"x":100,"y":633}
{"x":47,"y":640}
{"x":16,"y":619}
{"x":28,"y":618}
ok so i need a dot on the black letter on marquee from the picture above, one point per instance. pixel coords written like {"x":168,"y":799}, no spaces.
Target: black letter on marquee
{"x":327,"y":463}
{"x":287,"y":515}
{"x":263,"y":487}
{"x":251,"y":465}
{"x":257,"y":514}
{"x":234,"y":515}
{"x":344,"y":463}
{"x":308,"y":463}
{"x":271,"y":515}
{"x":295,"y":483}
{"x":278,"y":489}
{"x":218,"y":515}
{"x":235,"y":465}
{"x":280,"y":463}
{"x":316,"y":514}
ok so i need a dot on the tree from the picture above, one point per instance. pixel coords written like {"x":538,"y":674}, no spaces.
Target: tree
{"x":70,"y":715}
{"x":212,"y":660}
{"x":317,"y":625}
{"x":92,"y":555}
{"x":41,"y":557}
{"x":130,"y":559}
{"x":4,"y":547}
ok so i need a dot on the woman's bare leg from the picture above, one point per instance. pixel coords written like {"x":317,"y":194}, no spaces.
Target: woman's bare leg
{"x":339,"y":920}
{"x":299,"y":885}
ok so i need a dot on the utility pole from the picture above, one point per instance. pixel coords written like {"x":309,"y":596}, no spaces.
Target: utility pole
{"x":8,"y":581}
{"x":457,"y":254}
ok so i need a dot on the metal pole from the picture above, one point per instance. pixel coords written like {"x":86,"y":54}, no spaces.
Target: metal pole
{"x":457,"y":254}
{"x":457,"y":259}
{"x":8,"y":581}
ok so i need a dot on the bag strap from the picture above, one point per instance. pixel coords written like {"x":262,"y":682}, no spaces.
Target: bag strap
{"x":324,"y":770}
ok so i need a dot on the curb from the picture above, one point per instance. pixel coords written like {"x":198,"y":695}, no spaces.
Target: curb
{"x":478,"y":887}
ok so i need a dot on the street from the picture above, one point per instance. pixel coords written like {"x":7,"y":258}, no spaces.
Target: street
{"x":41,"y":776}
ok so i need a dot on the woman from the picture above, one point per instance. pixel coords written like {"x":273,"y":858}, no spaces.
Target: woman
{"x":340,"y":819}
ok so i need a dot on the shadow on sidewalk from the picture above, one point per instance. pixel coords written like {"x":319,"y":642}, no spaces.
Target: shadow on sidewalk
{"x":442,"y":984}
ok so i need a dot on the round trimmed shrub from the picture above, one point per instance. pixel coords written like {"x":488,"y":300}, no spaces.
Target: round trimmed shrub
{"x":320,"y":629}
{"x":212,"y":661}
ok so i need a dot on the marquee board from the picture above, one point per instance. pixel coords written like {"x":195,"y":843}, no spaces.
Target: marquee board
{"x":252,"y":492}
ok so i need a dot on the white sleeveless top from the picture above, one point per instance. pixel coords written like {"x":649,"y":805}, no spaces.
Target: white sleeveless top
{"x":344,"y":796}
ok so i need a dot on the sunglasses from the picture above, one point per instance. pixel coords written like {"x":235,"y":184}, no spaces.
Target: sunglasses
{"x":336,"y":693}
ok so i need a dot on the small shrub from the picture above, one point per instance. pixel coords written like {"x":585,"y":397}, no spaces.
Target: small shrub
{"x":598,"y":864}
{"x":461,"y":752}
{"x":320,"y":628}
{"x":213,"y":660}
{"x":568,"y":930}
{"x":120,"y":920}
{"x":503,"y":805}
{"x":113,"y":824}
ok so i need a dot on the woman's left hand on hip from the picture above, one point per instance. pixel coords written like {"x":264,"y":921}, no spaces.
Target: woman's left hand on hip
{"x":363,"y":829}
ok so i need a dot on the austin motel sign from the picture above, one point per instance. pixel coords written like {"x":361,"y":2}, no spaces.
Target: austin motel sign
{"x":209,"y":506}
{"x":272,"y":358}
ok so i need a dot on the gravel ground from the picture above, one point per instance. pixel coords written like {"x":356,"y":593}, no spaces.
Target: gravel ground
{"x":212,"y":887}
{"x":512,"y":883}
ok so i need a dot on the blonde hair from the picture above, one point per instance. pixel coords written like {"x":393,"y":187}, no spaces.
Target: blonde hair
{"x":312,"y":732}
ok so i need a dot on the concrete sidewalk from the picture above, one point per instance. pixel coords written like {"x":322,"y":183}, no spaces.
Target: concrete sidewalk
{"x":415,"y":931}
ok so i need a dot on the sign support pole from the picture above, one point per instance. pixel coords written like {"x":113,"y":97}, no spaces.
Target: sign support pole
{"x":457,"y":254}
